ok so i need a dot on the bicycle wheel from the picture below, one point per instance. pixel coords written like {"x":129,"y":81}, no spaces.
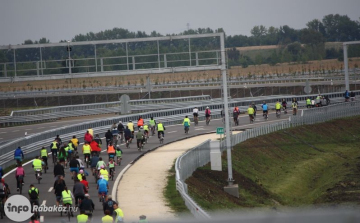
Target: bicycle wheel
{"x":20,"y":186}
{"x":68,"y":211}
{"x":1,"y":210}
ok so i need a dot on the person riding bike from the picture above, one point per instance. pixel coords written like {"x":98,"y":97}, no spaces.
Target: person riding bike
{"x":111,"y":151}
{"x":265,"y":109}
{"x":79,"y":191}
{"x":346,"y":96}
{"x":186,"y":124}
{"x":139,"y":138}
{"x":130,"y":125}
{"x":111,"y":165}
{"x":1,"y":172}
{"x":74,"y":166}
{"x":33,"y":195}
{"x":3,"y":191}
{"x":75,"y":142}
{"x":98,"y":140}
{"x":115,"y":134}
{"x":236,"y":113}
{"x":54,"y":148}
{"x":67,"y":199}
{"x":152,"y":124}
{"x":100,"y":163}
{"x":251,"y":112}
{"x":44,"y":156}
{"x":127,"y":134}
{"x":160,"y":129}
{"x":104,"y":173}
{"x":95,"y":148}
{"x":255,"y":109}
{"x":121,"y":129}
{"x":195,"y":113}
{"x":87,"y":206}
{"x":102,"y":187}
{"x":118,"y":152}
{"x":146,"y":130}
{"x":284,"y":104}
{"x":108,"y":137}
{"x":93,"y":163}
{"x":18,"y":154}
{"x":86,"y":150}
{"x":207,"y":114}
{"x":294,"y":106}
{"x":140,"y":122}
{"x":278,"y":107}
{"x":88,"y":137}
{"x":62,"y":155}
{"x":19,"y":174}
{"x":37,"y":165}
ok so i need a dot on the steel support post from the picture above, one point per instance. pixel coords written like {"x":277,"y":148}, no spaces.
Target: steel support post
{"x":226,"y":109}
{"x":69,"y":57}
{"x":127,"y":56}
{"x":133,"y":63}
{"x":189,"y":52}
{"x":346,"y":66}
{"x":158,"y":50}
{"x":197,"y":58}
{"x":165,"y":61}
{"x":95,"y":58}
{"x":41,"y":62}
{"x":14,"y":63}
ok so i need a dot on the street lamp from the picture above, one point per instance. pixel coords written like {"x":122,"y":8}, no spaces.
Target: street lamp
{"x":69,"y":49}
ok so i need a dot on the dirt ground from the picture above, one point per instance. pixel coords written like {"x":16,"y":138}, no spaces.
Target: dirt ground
{"x":320,"y":67}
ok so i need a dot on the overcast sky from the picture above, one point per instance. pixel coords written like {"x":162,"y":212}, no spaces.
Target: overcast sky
{"x":63,"y":19}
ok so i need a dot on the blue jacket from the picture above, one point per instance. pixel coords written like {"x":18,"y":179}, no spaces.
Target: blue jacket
{"x":264,"y":107}
{"x":1,"y":172}
{"x":19,"y":152}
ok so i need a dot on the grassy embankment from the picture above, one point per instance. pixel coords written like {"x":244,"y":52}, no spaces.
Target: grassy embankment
{"x":307,"y":165}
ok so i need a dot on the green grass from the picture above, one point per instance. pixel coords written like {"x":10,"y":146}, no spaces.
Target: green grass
{"x":172,"y":196}
{"x":312,"y":164}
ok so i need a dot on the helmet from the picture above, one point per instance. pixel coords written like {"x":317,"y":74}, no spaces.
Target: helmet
{"x":81,"y":171}
{"x":130,"y":121}
{"x":141,"y":127}
{"x":2,"y":180}
{"x":101,"y":177}
{"x":120,"y":122}
{"x":207,"y":107}
{"x":102,"y":167}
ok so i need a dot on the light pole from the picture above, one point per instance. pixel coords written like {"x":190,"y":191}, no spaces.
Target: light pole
{"x":69,"y":49}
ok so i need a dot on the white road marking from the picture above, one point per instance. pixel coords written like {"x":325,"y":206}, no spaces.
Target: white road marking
{"x":28,"y":129}
{"x":41,"y":218}
{"x":51,"y":188}
{"x":15,"y":131}
{"x":3,"y":132}
{"x":171,"y":132}
{"x":43,"y":203}
{"x":54,"y":126}
{"x":41,"y":128}
{"x":199,"y":129}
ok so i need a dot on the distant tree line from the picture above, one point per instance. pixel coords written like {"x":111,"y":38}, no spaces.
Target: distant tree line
{"x":294,"y":45}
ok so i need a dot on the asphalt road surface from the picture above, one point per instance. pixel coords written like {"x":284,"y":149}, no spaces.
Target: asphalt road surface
{"x":172,"y":133}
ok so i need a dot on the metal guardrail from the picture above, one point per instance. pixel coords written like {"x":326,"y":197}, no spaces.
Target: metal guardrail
{"x":213,"y":104}
{"x":199,"y":156}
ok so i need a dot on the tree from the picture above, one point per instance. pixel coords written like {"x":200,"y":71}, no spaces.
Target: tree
{"x":317,"y":26}
{"x":340,"y":28}
{"x":310,"y":36}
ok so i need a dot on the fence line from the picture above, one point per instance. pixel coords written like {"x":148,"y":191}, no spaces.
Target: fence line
{"x":199,"y":156}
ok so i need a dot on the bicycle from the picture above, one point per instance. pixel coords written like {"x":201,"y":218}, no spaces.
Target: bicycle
{"x":87,"y":160}
{"x":251,"y":118}
{"x":196,"y":120}
{"x":118,"y":160}
{"x":236,"y":120}
{"x":265,"y":115}
{"x":38,"y":175}
{"x":152,"y":130}
{"x":161,"y":139}
{"x":36,"y":213}
{"x":102,"y":197}
{"x":68,"y":210}
{"x":20,"y":184}
{"x":111,"y":170}
{"x":121,"y":137}
{"x":278,"y":113}
{"x":186,"y":129}
{"x":207,"y":120}
{"x":127,"y":144}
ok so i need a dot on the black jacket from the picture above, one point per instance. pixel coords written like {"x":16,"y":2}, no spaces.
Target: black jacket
{"x":120,"y":127}
{"x":108,"y":136}
{"x":59,"y":170}
{"x":108,"y":205}
{"x":87,"y":205}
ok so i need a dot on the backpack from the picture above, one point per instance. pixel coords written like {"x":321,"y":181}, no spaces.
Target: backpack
{"x":33,"y":194}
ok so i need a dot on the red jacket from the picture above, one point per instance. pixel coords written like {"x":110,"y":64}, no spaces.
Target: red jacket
{"x":95,"y":147}
{"x":88,"y":137}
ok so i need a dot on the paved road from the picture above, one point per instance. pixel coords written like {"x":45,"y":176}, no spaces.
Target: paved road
{"x":172,"y":133}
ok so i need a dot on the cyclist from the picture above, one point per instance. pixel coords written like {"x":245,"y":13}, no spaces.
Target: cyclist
{"x":88,"y":137}
{"x":33,"y":196}
{"x":86,"y":149}
{"x":255,"y":109}
{"x":140,"y":122}
{"x":352,"y":96}
{"x":62,"y":155}
{"x":74,"y":167}
{"x":75,"y":142}
{"x":160,"y":129}
{"x":111,"y":151}
{"x":186,"y":123}
{"x":278,"y":107}
{"x":127,"y":134}
{"x":85,"y":182}
{"x":78,"y":191}
{"x":152,"y":124}
{"x":236,"y":113}
{"x":58,"y":139}
{"x":98,"y":140}
{"x":294,"y":106}
{"x":3,"y":191}
{"x":265,"y":109}
{"x":44,"y":156}
{"x":195,"y":114}
{"x":54,"y":149}
{"x":308,"y":103}
{"x":118,"y":213}
{"x":67,"y":198}
{"x":284,"y":104}
{"x":18,"y":154}
{"x":115,"y":134}
{"x":102,"y":186}
{"x":82,"y":217}
{"x":80,"y":175}
{"x":107,"y":218}
{"x":82,"y":166}
{"x":207,"y":114}
{"x":87,"y":205}
{"x":146,"y":130}
{"x":109,"y":205}
{"x":109,"y":137}
{"x":103,"y":172}
{"x":139,"y":138}
{"x":111,"y":166}
{"x":95,"y":148}
{"x":71,"y":150}
{"x":100,"y":163}
{"x":59,"y":186}
{"x":19,"y":174}
{"x":59,"y":170}
{"x":346,"y":96}
{"x":121,"y":129}
{"x":37,"y":165}
{"x":94,"y":161}
{"x":251,"y":112}
{"x":118,"y":153}
{"x":130,"y":125}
